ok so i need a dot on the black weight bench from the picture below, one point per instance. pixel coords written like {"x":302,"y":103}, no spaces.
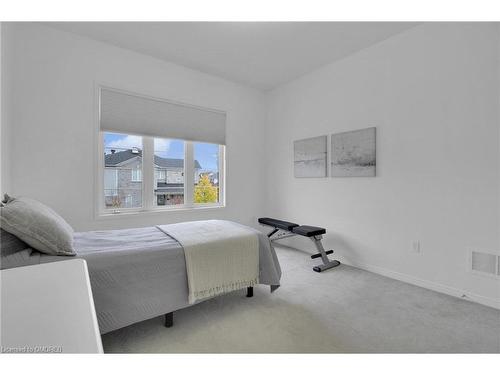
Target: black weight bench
{"x":284,"y":229}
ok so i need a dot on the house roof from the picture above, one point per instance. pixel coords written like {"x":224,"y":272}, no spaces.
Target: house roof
{"x":113,"y":159}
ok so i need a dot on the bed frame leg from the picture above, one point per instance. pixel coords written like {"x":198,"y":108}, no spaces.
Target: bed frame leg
{"x":250,"y":291}
{"x":169,"y":319}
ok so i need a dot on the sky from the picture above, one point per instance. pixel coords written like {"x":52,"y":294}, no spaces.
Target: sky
{"x":205,"y":153}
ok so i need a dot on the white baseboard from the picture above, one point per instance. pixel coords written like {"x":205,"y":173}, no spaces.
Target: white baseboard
{"x":462,"y":294}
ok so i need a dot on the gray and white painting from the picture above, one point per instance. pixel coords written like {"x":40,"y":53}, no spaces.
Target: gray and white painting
{"x":310,"y":157}
{"x":354,"y":153}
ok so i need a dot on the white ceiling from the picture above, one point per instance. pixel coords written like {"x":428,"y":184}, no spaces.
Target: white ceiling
{"x":259,"y":54}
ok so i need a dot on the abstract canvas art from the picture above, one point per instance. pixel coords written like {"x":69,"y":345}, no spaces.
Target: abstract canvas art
{"x":354,"y":153}
{"x":310,"y":157}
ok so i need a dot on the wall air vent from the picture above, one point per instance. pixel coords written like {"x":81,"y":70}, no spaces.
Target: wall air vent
{"x":484,"y":263}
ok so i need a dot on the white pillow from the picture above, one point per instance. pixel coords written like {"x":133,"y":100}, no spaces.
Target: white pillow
{"x":37,"y":225}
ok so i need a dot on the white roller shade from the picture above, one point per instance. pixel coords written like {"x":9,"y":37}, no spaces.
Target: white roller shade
{"x":130,"y":114}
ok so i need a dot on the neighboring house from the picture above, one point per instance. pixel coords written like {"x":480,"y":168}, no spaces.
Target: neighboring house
{"x":123,"y":179}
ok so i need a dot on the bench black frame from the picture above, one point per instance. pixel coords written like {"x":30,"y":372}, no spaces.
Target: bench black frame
{"x":284,"y":229}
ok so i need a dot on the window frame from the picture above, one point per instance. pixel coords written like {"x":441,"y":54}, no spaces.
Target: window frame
{"x":139,"y":174}
{"x":148,"y":180}
{"x":101,"y":208}
{"x":222,"y":179}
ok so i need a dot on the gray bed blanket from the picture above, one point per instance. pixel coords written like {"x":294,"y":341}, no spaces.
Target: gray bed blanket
{"x":137,"y":274}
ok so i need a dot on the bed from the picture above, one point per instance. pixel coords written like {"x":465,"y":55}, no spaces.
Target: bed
{"x":136,"y":274}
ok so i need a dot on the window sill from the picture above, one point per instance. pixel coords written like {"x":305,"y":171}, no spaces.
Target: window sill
{"x":112,"y":215}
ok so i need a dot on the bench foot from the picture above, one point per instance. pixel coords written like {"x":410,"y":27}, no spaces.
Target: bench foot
{"x":169,"y":319}
{"x":324,"y":267}
{"x":250,"y":291}
{"x":327,"y":263}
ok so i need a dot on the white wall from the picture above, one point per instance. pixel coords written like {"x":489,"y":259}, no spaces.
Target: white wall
{"x":2,"y":161}
{"x":433,"y":94}
{"x":4,"y":129}
{"x":51,"y":115}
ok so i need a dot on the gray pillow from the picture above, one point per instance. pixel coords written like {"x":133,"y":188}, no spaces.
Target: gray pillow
{"x":10,"y":244}
{"x":16,"y":253}
{"x":37,"y":225}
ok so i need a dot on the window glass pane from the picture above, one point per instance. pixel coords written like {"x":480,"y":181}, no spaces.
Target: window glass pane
{"x":122,"y":171}
{"x":206,"y":173}
{"x":169,"y":172}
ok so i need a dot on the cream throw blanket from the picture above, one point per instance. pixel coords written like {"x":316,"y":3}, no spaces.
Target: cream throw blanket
{"x":221,"y":256}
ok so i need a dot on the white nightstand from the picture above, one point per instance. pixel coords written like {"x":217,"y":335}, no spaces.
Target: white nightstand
{"x":48,"y":308}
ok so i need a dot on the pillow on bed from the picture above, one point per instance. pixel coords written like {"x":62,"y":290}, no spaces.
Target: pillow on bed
{"x":10,"y":244}
{"x":16,"y":253}
{"x":37,"y":225}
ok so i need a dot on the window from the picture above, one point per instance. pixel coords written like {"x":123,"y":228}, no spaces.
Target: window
{"x":158,"y":155}
{"x":123,"y":176}
{"x":122,"y":161}
{"x":169,"y":172}
{"x":136,"y":175}
{"x":206,"y":173}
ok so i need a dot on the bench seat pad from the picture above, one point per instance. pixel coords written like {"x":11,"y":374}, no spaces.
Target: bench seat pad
{"x":285,"y":225}
{"x":308,"y":231}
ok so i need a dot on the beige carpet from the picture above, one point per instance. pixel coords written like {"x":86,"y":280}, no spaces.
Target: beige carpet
{"x":341,"y":310}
